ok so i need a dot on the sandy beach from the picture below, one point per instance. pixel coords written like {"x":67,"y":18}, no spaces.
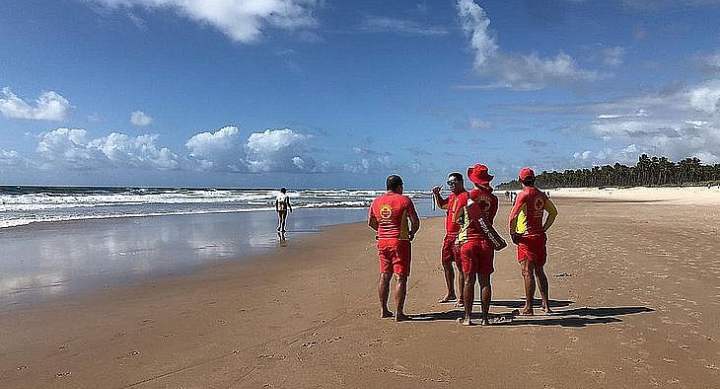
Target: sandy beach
{"x":634,"y":284}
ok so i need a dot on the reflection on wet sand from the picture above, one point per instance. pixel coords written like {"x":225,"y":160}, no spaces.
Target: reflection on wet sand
{"x":53,"y":259}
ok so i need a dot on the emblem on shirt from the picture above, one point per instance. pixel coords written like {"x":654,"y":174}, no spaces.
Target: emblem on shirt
{"x":539,"y":204}
{"x":484,"y":204}
{"x":385,"y":211}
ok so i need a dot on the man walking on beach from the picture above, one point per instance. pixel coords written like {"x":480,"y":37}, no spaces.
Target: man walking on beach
{"x":389,"y":216}
{"x":476,"y":251}
{"x":528,"y":233}
{"x":282,"y":206}
{"x":449,"y":252}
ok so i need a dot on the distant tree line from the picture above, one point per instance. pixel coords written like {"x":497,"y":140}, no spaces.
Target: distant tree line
{"x":649,"y":171}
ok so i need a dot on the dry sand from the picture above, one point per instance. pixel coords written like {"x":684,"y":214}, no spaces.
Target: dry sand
{"x":635,"y":286}
{"x":685,"y":196}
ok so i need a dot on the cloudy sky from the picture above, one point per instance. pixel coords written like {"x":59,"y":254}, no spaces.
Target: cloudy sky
{"x":339,"y":93}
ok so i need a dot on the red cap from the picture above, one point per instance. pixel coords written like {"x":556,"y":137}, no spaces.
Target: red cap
{"x":527,"y":174}
{"x":479,"y":174}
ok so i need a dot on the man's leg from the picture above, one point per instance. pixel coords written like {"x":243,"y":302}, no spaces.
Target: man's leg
{"x":283,"y":219}
{"x":543,"y":286}
{"x":449,"y":281}
{"x":384,"y":294}
{"x":400,"y":291}
{"x":461,"y":284}
{"x":469,"y":294}
{"x":485,"y":297}
{"x":528,"y":271}
{"x":279,"y":214}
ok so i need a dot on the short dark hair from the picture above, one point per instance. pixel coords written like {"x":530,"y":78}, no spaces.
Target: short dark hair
{"x":457,"y":176}
{"x":393,"y":182}
{"x":283,"y":190}
{"x":528,"y":182}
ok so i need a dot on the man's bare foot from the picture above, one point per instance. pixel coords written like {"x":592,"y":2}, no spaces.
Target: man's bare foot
{"x":401,"y":317}
{"x":459,"y":304}
{"x":465,"y":321}
{"x":386,"y":314}
{"x":484,"y":321}
{"x":447,"y":299}
{"x":547,"y":310}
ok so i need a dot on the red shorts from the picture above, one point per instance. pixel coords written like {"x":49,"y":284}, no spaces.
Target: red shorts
{"x":532,"y":248}
{"x":394,"y":255}
{"x":477,"y":257}
{"x":450,"y":251}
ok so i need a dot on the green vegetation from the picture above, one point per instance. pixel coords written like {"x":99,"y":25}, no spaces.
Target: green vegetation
{"x":655,"y":171}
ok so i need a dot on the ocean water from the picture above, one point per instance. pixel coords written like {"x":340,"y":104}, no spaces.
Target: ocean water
{"x":25,"y":205}
{"x":61,"y":241}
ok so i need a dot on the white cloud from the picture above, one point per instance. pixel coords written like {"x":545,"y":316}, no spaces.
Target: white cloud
{"x":680,"y":124}
{"x":221,"y":150}
{"x":277,"y":150}
{"x":612,"y":56}
{"x":50,"y":106}
{"x":381,"y":24}
{"x":476,"y":24}
{"x":11,"y":158}
{"x":241,"y":20}
{"x":511,"y":70}
{"x":140,"y":118}
{"x":70,"y":148}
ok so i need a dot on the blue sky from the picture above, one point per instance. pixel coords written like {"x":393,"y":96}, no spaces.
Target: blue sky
{"x":327,"y":94}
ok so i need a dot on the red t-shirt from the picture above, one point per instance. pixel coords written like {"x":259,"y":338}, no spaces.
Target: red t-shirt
{"x":481,"y":203}
{"x":453,"y":204}
{"x":392,"y":210}
{"x":529,"y":207}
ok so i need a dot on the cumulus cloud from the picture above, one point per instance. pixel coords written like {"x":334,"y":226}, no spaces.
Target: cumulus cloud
{"x":241,"y":20}
{"x":277,"y":150}
{"x":140,"y":118}
{"x":221,"y":150}
{"x":49,"y":106}
{"x":512,"y":70}
{"x":69,"y":147}
{"x":382,"y":24}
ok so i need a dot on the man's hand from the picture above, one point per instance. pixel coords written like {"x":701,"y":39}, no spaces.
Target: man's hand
{"x":411,"y":236}
{"x":515,"y":238}
{"x":436,"y":190}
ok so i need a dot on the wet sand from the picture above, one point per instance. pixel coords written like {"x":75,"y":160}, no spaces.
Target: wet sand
{"x":634,"y":284}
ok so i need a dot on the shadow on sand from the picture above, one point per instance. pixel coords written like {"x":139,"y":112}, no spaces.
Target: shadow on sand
{"x":575,"y":317}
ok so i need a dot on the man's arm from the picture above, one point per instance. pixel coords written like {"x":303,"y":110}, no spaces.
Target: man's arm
{"x":519,"y":202}
{"x":552,"y":213}
{"x":287,"y":201}
{"x":372,"y":220}
{"x":414,"y":220}
{"x":441,"y":202}
{"x":277,"y":205}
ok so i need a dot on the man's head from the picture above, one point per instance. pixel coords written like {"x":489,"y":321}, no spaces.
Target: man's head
{"x":455,"y":182}
{"x":283,"y":190}
{"x":479,"y":175}
{"x":527,"y":177}
{"x":394,"y":184}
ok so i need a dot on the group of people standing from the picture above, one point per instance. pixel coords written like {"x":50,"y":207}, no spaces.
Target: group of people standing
{"x":468,"y":243}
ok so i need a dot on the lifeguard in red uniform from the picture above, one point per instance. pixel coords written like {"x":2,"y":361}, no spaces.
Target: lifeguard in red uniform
{"x":528,"y":232}
{"x":394,"y":218}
